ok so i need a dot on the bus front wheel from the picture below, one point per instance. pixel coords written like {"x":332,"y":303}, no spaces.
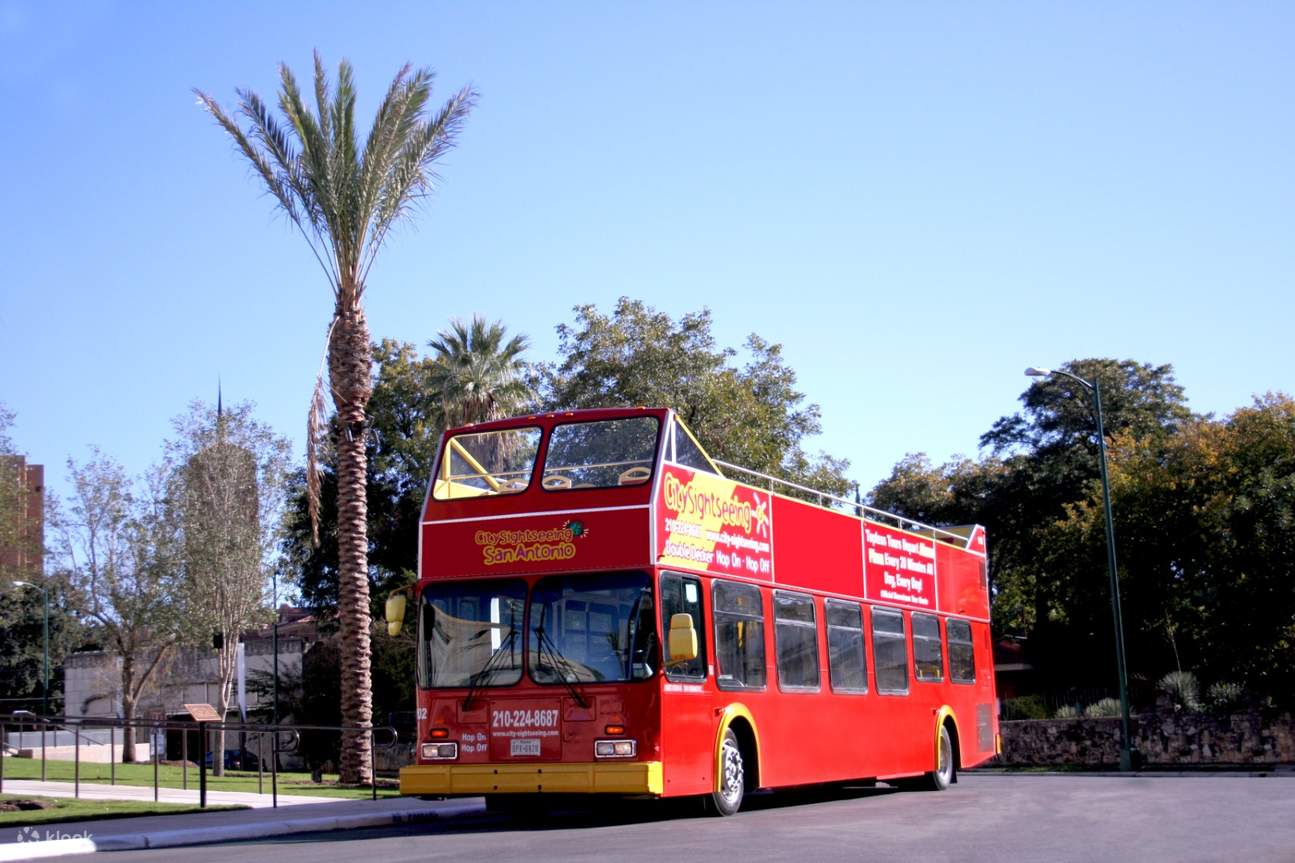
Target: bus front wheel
{"x":727,"y":798}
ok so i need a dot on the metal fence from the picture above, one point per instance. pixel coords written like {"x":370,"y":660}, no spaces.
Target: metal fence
{"x":1045,"y":705}
{"x":270,"y":742}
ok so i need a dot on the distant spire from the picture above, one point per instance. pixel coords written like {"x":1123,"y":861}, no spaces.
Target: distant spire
{"x":219,"y":405}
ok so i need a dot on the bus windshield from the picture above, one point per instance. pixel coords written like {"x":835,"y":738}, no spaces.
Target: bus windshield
{"x":487,"y":463}
{"x":601,"y":454}
{"x":469,"y":633}
{"x":587,"y":628}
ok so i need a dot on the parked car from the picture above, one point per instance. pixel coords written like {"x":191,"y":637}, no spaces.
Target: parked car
{"x":236,"y":760}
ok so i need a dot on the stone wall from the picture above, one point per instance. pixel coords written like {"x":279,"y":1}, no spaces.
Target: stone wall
{"x":1162,"y":738}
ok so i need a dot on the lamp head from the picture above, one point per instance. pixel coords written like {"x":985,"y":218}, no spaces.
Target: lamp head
{"x":1038,"y":373}
{"x":23,"y":584}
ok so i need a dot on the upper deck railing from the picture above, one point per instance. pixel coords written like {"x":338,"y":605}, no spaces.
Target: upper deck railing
{"x":832,"y":501}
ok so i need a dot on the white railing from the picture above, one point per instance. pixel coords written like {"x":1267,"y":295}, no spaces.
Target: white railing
{"x":832,"y":501}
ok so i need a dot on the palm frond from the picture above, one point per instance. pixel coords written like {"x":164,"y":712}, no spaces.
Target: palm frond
{"x":344,"y":169}
{"x":400,"y":125}
{"x":291,"y":175}
{"x":262,"y":165}
{"x":314,"y":157}
{"x":321,"y":98}
{"x":410,"y":174}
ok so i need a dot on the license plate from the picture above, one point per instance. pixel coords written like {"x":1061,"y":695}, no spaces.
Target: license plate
{"x":523,"y":746}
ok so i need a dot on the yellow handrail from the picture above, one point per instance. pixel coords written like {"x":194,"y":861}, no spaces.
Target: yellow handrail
{"x":474,"y":464}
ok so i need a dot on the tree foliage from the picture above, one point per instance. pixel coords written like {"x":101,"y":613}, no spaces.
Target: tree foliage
{"x":1203,"y":509}
{"x":1206,"y":539}
{"x":749,"y":414}
{"x":478,"y":373}
{"x":119,"y":551}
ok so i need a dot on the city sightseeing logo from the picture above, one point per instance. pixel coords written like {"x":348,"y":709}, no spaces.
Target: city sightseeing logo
{"x":530,"y":546}
{"x":694,"y":501}
{"x":32,"y":834}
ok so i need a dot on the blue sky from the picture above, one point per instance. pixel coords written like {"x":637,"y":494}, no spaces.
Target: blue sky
{"x":916,"y":200}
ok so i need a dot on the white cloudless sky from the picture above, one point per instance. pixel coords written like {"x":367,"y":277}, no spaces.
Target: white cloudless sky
{"x":916,"y":200}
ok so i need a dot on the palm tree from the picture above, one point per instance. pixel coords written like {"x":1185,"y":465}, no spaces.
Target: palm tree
{"x":477,"y":375}
{"x":344,"y":200}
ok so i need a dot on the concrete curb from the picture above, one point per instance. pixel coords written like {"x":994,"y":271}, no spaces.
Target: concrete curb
{"x":227,"y":833}
{"x":1276,"y":771}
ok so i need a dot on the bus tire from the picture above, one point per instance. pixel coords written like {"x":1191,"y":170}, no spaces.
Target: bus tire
{"x":942,"y":776}
{"x":727,"y":798}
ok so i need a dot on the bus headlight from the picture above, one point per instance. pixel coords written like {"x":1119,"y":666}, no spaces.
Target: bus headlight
{"x":615,"y":748}
{"x":440,"y":751}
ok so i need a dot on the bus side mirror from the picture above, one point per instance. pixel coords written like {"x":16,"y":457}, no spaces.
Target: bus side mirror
{"x":683,"y":638}
{"x":395,"y":612}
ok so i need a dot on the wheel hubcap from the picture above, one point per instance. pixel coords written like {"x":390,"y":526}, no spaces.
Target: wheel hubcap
{"x":946,"y":757}
{"x":733,"y":772}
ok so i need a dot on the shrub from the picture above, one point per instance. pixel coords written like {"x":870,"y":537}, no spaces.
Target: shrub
{"x":1182,"y":690}
{"x":1025,"y":707}
{"x":1225,"y":696}
{"x":1104,"y":708}
{"x":1067,"y":711}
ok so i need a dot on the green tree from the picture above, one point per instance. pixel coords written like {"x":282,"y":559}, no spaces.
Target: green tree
{"x":1206,"y":539}
{"x":478,"y":373}
{"x":119,"y":552}
{"x":1047,"y":585}
{"x":751,"y":415}
{"x":345,"y":198}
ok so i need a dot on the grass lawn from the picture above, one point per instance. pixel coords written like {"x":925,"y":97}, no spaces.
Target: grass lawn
{"x":67,"y":809}
{"x":170,"y":777}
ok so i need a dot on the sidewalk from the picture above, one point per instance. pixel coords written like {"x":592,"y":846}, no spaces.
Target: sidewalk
{"x":166,"y":831}
{"x":98,"y":791}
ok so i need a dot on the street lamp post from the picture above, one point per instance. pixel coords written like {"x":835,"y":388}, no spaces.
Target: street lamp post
{"x":44,"y":591}
{"x":1094,"y":387}
{"x":274,"y":641}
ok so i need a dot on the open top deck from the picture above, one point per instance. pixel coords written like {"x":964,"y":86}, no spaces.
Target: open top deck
{"x":631,"y":488}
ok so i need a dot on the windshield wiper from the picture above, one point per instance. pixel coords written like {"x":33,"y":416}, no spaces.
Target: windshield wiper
{"x":559,"y":663}
{"x":475,"y":681}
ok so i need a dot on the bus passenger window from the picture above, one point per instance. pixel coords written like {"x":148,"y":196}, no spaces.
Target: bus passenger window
{"x":739,"y":636}
{"x":845,"y":658}
{"x":889,"y":651}
{"x":962,"y":659}
{"x":796,"y":635}
{"x":682,"y":595}
{"x":928,"y":657}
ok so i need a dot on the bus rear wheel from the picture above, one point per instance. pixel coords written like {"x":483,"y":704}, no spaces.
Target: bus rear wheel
{"x":727,"y":798}
{"x":942,"y":776}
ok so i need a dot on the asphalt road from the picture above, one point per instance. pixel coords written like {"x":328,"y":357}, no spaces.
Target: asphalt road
{"x":982,"y":818}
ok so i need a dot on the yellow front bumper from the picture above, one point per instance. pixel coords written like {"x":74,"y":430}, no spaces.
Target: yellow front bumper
{"x":625,"y":777}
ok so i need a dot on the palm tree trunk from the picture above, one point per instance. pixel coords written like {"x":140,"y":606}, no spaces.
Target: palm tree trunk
{"x":350,"y":374}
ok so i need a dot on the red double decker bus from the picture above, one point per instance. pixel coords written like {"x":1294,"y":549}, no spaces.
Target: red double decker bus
{"x":602,"y":608}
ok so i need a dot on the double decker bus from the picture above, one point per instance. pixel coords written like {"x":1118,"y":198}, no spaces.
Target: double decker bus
{"x":602,"y":608}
